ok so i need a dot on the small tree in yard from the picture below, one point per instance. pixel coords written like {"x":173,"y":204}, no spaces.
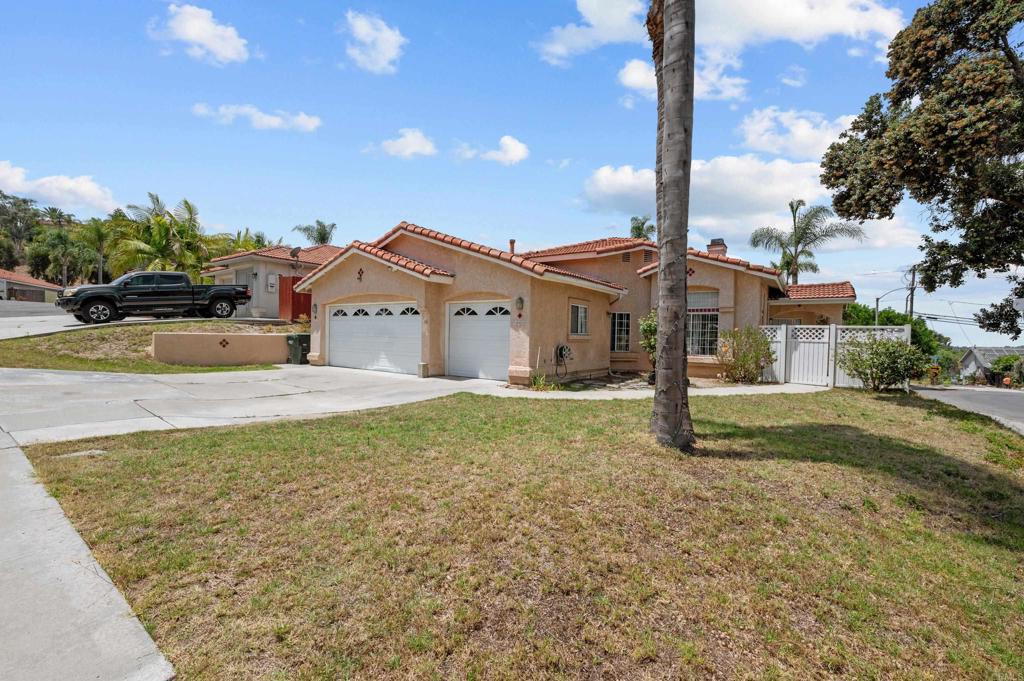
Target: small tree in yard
{"x":882,"y":363}
{"x":744,"y":354}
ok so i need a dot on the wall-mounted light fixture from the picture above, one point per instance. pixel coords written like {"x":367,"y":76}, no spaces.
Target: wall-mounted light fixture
{"x":314,"y":310}
{"x":519,"y":303}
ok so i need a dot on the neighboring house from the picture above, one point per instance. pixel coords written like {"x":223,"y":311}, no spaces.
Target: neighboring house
{"x":18,"y":286}
{"x":262,"y":270}
{"x":422,"y":302}
{"x":812,"y":303}
{"x":977,"y":360}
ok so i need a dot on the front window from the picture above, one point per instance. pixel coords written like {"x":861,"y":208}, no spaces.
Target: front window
{"x":702,"y":323}
{"x":620,"y":332}
{"x":578,"y":322}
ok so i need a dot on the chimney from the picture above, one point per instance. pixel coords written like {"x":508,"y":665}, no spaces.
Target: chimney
{"x":512,"y":246}
{"x":718,"y":247}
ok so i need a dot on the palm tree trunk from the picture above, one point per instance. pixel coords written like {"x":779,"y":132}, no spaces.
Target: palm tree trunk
{"x":99,"y":276}
{"x":671,"y":422}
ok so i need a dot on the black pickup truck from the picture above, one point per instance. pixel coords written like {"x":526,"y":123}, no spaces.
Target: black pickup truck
{"x":156,"y":294}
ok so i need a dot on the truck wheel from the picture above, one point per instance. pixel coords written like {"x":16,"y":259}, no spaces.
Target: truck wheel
{"x":100,"y":312}
{"x":81,"y":318}
{"x":222,"y":309}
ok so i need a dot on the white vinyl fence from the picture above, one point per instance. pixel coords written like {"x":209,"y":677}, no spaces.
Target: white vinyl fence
{"x":810,"y":354}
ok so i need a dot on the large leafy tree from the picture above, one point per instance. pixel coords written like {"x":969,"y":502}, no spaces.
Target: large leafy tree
{"x":670,"y":24}
{"x":156,"y":237}
{"x":950,"y":134}
{"x":19,"y":219}
{"x":930,"y":342}
{"x":320,"y":233}
{"x":811,"y":229}
{"x":66,"y":257}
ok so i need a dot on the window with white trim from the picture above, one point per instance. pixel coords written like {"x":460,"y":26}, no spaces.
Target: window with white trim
{"x":702,"y":323}
{"x":620,"y":332}
{"x":579,"y":324}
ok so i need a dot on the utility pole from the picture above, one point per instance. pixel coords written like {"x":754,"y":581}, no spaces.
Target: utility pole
{"x":913,"y":287}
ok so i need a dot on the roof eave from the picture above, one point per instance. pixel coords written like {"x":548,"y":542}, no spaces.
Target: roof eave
{"x":801,"y":301}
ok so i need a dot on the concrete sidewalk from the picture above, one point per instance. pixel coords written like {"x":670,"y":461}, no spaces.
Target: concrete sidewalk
{"x":62,"y":617}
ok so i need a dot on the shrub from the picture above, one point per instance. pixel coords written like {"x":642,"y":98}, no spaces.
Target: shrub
{"x":744,"y":354}
{"x":1017,"y":371}
{"x":649,"y":334}
{"x":1004,"y":364}
{"x":882,"y":363}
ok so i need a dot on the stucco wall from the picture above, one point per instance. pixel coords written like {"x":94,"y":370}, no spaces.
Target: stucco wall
{"x":809,"y":313}
{"x":220,"y":349}
{"x":264,"y":303}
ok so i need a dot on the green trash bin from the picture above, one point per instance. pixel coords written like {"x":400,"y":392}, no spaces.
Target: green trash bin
{"x":298,"y":348}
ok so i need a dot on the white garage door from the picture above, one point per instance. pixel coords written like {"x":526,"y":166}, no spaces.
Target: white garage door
{"x":381,"y":337}
{"x":478,"y":340}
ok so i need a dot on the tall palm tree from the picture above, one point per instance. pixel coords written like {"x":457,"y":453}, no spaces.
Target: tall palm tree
{"x":642,"y":227}
{"x":57,"y":217}
{"x":97,"y":236}
{"x":318,"y":234}
{"x":812,"y":228}
{"x":156,"y":238}
{"x":670,"y":24}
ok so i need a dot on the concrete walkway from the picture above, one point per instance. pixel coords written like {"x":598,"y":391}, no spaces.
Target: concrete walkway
{"x":50,"y":406}
{"x":62,"y":617}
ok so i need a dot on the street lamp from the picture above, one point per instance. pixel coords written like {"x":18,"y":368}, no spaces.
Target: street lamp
{"x":901,"y":288}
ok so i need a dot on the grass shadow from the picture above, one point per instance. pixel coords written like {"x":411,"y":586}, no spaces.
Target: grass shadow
{"x":943,"y":484}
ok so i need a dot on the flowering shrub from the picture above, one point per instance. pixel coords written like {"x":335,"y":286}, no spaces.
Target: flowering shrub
{"x":649,"y":333}
{"x":744,"y":354}
{"x":882,"y":363}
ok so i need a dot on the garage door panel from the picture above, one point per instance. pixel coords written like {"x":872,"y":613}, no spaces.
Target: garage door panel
{"x":376,"y":337}
{"x":478,"y":340}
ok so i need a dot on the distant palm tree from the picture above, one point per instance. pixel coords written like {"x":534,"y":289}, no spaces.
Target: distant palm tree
{"x":57,"y":217}
{"x":812,"y":228}
{"x":318,"y":234}
{"x":642,"y":228}
{"x":97,"y":236}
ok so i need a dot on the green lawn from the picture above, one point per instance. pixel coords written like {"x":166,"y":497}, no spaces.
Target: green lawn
{"x":123,"y":349}
{"x":831,"y":534}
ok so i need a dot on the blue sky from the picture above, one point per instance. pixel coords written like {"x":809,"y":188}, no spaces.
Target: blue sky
{"x":531,"y":120}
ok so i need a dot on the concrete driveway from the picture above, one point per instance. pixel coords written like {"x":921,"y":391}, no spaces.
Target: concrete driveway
{"x":1005,"y":406}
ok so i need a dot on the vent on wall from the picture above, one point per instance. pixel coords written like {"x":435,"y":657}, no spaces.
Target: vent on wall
{"x":648,"y":256}
{"x":626,"y":257}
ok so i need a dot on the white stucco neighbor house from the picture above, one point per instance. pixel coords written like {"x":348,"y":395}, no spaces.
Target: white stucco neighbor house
{"x":262,"y":270}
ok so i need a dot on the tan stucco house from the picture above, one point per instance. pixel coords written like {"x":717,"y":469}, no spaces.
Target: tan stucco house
{"x":422,"y":302}
{"x":262,"y":270}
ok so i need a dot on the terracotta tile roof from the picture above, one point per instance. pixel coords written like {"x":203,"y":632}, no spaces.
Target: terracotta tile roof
{"x":839,"y":289}
{"x":19,"y":278}
{"x":396,"y":259}
{"x":311,"y":255}
{"x":704,"y":255}
{"x":596,"y":246}
{"x":497,"y":254}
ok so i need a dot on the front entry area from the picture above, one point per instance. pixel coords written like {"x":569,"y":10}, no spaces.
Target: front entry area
{"x":380,"y":337}
{"x":478,"y":339}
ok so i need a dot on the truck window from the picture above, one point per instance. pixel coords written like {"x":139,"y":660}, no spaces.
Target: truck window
{"x":173,"y":279}
{"x":142,"y":280}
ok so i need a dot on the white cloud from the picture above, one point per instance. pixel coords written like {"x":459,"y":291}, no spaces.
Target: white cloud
{"x":856,"y":52}
{"x":639,"y":75}
{"x":794,"y":76}
{"x":710,"y":79}
{"x":510,"y":151}
{"x":72,"y":193}
{"x":620,"y":190}
{"x":798,"y":134}
{"x":725,"y":28}
{"x":559,"y":163}
{"x":603,"y":22}
{"x":205,"y":39}
{"x":410,"y":142}
{"x":376,"y":47}
{"x":260,"y":120}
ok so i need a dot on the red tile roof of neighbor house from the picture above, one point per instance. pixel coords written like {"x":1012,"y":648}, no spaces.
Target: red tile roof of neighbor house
{"x":596,"y":246}
{"x":19,"y":278}
{"x":839,"y":289}
{"x":704,"y":255}
{"x":310,"y":255}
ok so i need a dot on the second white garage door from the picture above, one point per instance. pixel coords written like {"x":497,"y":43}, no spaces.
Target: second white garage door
{"x":385,"y":337}
{"x":478,"y":340}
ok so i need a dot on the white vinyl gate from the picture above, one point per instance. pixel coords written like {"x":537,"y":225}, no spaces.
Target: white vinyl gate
{"x":810,"y":354}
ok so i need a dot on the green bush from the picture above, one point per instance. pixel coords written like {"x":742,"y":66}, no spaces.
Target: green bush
{"x":1004,"y":364}
{"x":744,"y":354}
{"x":1017,"y":371}
{"x":882,"y":363}
{"x":649,"y":334}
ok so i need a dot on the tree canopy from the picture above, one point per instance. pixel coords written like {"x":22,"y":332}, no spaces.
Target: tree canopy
{"x":929,"y":341}
{"x":950,"y":134}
